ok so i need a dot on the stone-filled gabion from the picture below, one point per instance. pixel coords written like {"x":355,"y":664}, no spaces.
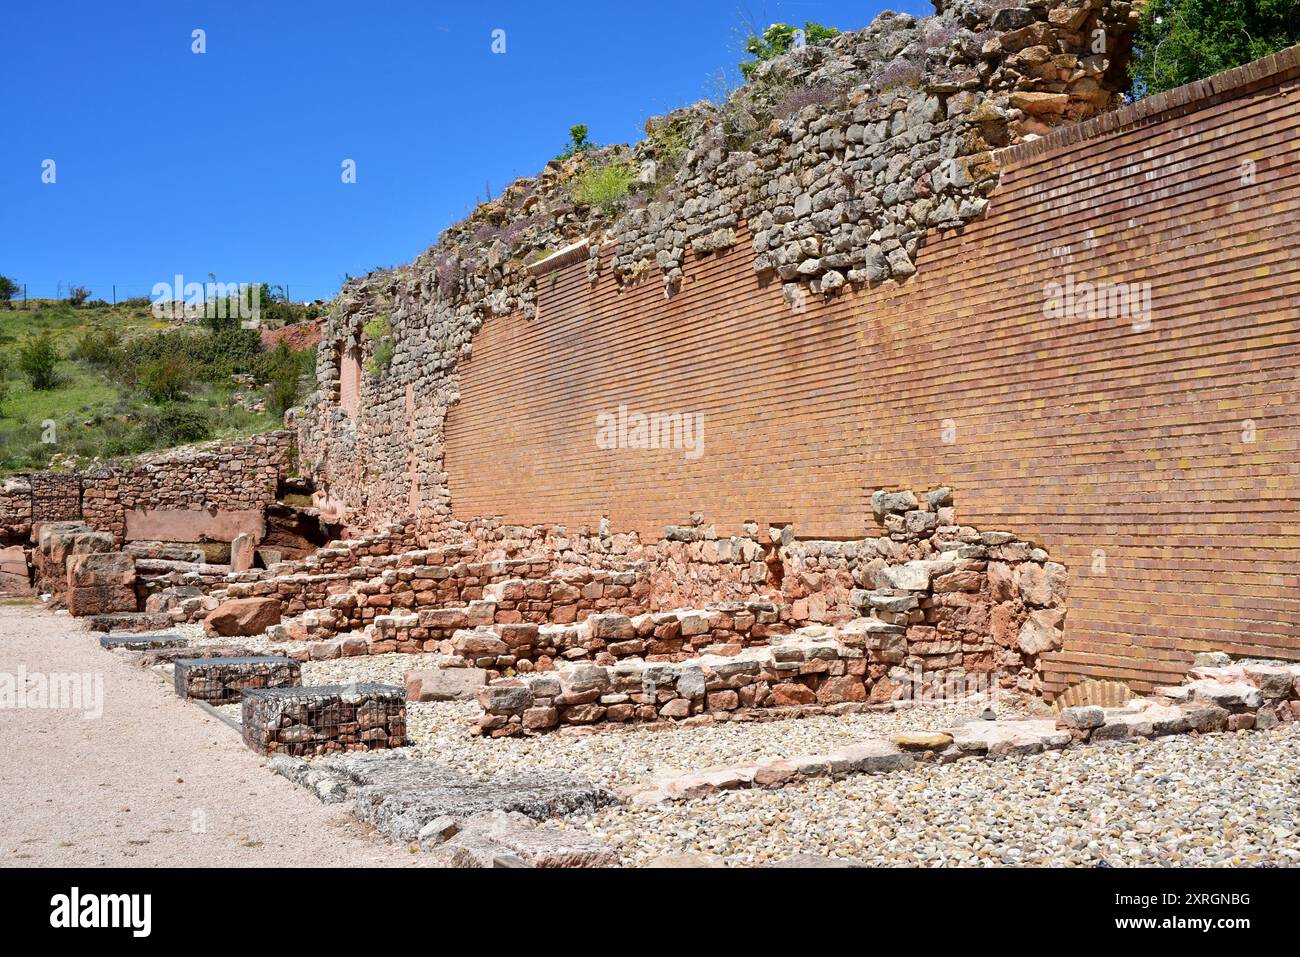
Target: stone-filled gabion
{"x":332,"y":718}
{"x":223,"y":680}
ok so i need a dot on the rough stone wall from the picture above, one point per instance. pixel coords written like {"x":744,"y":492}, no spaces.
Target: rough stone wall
{"x":15,"y":510}
{"x":1146,"y":449}
{"x":830,"y":166}
{"x":234,"y":476}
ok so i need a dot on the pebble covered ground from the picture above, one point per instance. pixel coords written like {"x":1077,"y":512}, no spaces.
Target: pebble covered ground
{"x":443,"y":730}
{"x":1189,"y":800}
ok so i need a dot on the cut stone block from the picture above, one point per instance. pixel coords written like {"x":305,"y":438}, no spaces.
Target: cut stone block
{"x":445,"y":684}
{"x":100,"y":583}
{"x":243,"y":617}
{"x":129,"y":621}
{"x":242,"y":552}
{"x":129,"y":642}
{"x":224,"y":680}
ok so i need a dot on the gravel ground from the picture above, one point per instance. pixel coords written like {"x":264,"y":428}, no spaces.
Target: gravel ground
{"x":442,"y":730}
{"x":1220,"y":799}
{"x":618,"y":758}
{"x":1223,"y":799}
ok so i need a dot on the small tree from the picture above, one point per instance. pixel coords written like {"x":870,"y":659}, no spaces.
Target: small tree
{"x":282,"y":370}
{"x":166,"y":379}
{"x":39,"y":362}
{"x":8,"y":289}
{"x":578,"y":142}
{"x":77,"y":295}
{"x":780,"y":38}
{"x":1179,"y":41}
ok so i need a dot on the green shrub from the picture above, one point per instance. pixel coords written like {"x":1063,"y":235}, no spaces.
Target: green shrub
{"x":379,"y":332}
{"x":99,"y":347}
{"x":175,"y":423}
{"x":39,"y":362}
{"x":605,"y":186}
{"x":167,"y":379}
{"x":8,"y":289}
{"x":578,"y":142}
{"x":283,"y":369}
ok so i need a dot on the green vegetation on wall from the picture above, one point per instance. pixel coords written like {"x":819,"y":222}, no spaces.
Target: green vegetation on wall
{"x":605,"y":186}
{"x":780,"y":38}
{"x":379,"y":333}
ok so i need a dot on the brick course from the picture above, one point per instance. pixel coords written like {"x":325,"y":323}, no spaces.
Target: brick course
{"x":1122,"y":450}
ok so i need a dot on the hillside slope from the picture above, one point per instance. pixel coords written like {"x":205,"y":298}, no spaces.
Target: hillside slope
{"x":126,"y":382}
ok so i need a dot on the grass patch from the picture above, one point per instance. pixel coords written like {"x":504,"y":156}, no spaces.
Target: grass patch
{"x":605,"y":186}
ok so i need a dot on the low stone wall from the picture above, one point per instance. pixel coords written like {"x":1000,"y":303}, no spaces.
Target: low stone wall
{"x":213,"y":490}
{"x":324,"y":720}
{"x":812,"y":669}
{"x":606,"y":638}
{"x":15,"y":510}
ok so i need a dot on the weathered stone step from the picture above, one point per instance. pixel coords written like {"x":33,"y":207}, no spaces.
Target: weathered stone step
{"x":134,"y":642}
{"x":129,"y":621}
{"x":224,"y":680}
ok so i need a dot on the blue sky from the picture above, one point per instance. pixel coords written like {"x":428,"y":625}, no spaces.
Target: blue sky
{"x":229,"y":162}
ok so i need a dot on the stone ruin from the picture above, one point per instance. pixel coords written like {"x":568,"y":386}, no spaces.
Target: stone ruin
{"x":833,"y":165}
{"x":834,"y":160}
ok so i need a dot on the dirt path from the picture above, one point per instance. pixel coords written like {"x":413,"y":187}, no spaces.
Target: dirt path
{"x":153,"y":781}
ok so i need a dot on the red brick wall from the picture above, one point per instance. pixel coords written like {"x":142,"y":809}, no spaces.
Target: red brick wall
{"x":1119,"y":448}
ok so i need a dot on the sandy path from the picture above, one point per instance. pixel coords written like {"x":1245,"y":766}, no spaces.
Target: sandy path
{"x":154,"y":781}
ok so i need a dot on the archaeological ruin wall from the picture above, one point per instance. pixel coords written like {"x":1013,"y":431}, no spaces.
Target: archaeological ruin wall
{"x":209,"y":492}
{"x":1101,"y":357}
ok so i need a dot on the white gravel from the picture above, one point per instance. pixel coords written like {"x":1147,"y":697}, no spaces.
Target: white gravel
{"x":1220,"y":799}
{"x":622,"y":757}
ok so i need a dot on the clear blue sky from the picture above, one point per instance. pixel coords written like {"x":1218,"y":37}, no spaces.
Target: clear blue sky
{"x":229,"y":162}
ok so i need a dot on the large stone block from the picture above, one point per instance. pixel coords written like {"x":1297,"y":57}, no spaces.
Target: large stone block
{"x":100,"y":583}
{"x":101,"y":570}
{"x":243,"y":617}
{"x":445,"y":684}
